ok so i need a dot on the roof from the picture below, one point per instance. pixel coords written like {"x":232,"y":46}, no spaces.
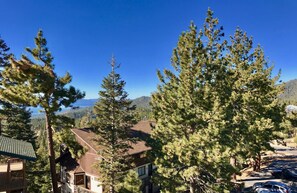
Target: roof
{"x":86,"y":137}
{"x":16,"y":148}
{"x":141,"y":130}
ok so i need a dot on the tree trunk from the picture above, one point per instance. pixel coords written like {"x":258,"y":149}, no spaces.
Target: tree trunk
{"x":112,"y":188}
{"x":233,"y":164}
{"x":51,"y":153}
{"x":192,"y":189}
{"x":257,"y":163}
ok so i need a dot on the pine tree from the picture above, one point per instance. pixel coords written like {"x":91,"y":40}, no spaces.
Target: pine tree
{"x":18,"y":123}
{"x":36,"y":84}
{"x":66,"y":137}
{"x":114,"y":118}
{"x":257,"y":115}
{"x":39,"y":171}
{"x":16,"y":119}
{"x":188,"y":146}
{"x":4,"y":54}
{"x":131,"y":184}
{"x":220,"y":102}
{"x":4,"y":57}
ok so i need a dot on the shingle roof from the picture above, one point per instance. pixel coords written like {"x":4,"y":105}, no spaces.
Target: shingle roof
{"x":86,"y":138}
{"x":142,"y":130}
{"x":16,"y":148}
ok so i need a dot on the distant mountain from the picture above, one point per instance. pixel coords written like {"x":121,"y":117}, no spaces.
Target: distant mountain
{"x":290,"y":94}
{"x":142,"y":102}
{"x":86,"y":104}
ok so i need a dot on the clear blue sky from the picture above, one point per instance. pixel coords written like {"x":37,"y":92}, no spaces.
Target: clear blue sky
{"x":83,"y":34}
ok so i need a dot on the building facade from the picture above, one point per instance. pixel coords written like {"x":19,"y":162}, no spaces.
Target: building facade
{"x":81,"y":175}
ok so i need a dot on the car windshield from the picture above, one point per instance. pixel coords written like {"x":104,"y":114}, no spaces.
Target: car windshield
{"x":293,"y":172}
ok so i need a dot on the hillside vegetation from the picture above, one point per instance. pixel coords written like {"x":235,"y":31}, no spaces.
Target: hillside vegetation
{"x":85,"y":112}
{"x":143,"y":106}
{"x":290,"y":93}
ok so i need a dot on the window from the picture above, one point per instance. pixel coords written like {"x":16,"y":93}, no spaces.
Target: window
{"x":88,"y":182}
{"x":268,"y":186}
{"x":141,"y":171}
{"x":79,"y":179}
{"x":275,"y":188}
{"x":150,"y":169}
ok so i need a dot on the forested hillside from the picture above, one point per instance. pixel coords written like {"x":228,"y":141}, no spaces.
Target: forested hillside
{"x":143,"y":106}
{"x":84,"y":112}
{"x":290,"y":94}
{"x":142,"y":102}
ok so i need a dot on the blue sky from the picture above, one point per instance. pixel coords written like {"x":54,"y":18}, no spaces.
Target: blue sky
{"x":82,"y":35}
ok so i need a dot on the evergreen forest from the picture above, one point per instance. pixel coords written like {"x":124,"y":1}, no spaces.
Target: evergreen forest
{"x":216,"y":111}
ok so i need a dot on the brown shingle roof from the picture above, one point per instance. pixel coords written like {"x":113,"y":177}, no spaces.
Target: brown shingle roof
{"x":142,"y":130}
{"x":86,"y":138}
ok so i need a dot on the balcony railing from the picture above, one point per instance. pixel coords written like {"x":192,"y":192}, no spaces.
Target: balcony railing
{"x":12,"y":176}
{"x":80,"y":189}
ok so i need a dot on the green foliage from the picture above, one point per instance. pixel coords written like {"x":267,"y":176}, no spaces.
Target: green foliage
{"x":65,"y":136}
{"x":36,"y":84}
{"x":220,"y":102}
{"x":114,"y":118}
{"x":84,"y":117}
{"x":189,"y":110}
{"x":142,"y":102}
{"x":14,"y":119}
{"x":4,"y":54}
{"x":255,"y":115}
{"x":290,"y":93}
{"x":143,"y":113}
{"x":39,"y":171}
{"x":131,"y":183}
{"x":16,"y":123}
{"x":290,"y":125}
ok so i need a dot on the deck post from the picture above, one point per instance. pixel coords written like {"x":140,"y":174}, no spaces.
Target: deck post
{"x":8,"y":177}
{"x":24,"y":177}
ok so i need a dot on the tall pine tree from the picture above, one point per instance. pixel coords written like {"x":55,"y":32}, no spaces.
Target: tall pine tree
{"x":256,"y":115}
{"x":189,"y":109}
{"x":220,"y":102}
{"x":4,"y":57}
{"x":15,"y":119}
{"x":4,"y":54}
{"x":39,"y":171}
{"x":114,"y":118}
{"x":36,"y":84}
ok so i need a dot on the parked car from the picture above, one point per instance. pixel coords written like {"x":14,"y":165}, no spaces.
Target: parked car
{"x":277,"y":173}
{"x":289,"y":174}
{"x":271,"y":186}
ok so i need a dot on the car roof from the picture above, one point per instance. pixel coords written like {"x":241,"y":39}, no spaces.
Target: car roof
{"x":276,"y":183}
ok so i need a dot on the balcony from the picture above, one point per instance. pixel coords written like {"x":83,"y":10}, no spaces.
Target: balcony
{"x":12,"y":176}
{"x":80,"y":189}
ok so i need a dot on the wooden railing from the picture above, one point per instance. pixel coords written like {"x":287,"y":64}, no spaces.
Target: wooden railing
{"x":80,"y":189}
{"x":12,"y":175}
{"x":10,"y":183}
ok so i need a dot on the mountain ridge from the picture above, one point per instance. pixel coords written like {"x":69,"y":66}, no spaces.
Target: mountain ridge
{"x":140,"y":102}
